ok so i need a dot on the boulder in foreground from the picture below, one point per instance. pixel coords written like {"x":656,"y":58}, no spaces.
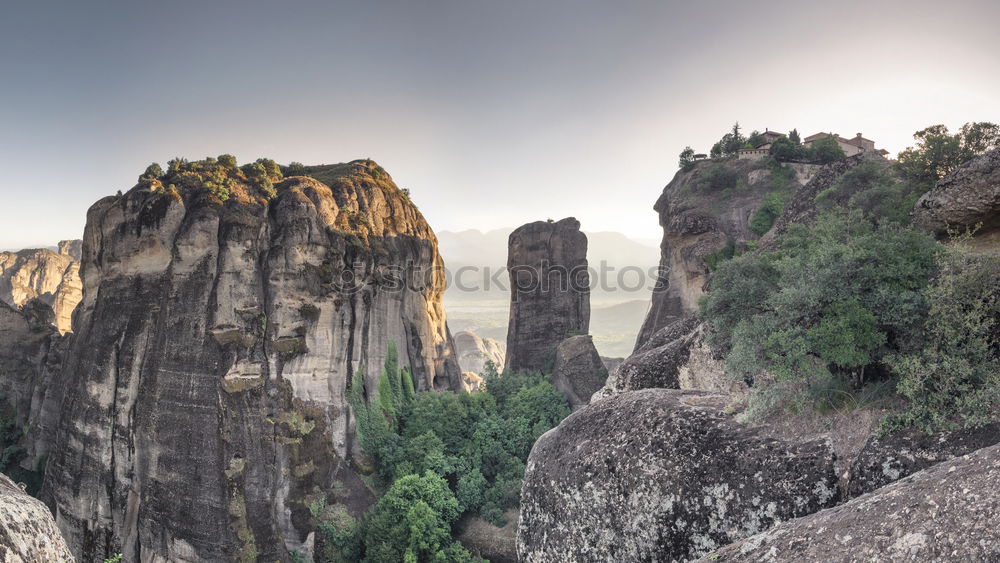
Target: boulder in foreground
{"x":662,"y":475}
{"x":948,"y":512}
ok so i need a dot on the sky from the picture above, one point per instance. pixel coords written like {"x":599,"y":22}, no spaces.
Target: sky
{"x":492,"y":113}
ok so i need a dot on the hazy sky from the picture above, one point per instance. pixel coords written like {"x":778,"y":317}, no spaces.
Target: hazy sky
{"x":493,"y":113}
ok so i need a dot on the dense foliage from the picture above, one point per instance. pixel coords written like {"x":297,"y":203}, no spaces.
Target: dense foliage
{"x":860,"y":298}
{"x":439,"y":455}
{"x":829,"y":304}
{"x":938,"y":152}
{"x":872,"y":189}
{"x":220,"y":177}
{"x":953,"y":380}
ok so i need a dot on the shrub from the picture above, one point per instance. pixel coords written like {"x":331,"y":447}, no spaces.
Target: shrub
{"x":770,"y":209}
{"x":834,"y":300}
{"x":719,"y":177}
{"x":954,"y":380}
{"x":227,"y":161}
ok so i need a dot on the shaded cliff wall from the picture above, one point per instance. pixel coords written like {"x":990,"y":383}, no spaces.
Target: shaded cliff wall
{"x":215,"y":343}
{"x":550,"y":291}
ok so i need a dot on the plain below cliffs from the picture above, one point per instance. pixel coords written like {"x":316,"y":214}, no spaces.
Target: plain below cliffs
{"x":51,"y":277}
{"x":205,"y":394}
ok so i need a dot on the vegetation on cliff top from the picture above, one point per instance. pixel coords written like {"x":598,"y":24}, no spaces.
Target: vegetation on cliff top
{"x":222,"y":178}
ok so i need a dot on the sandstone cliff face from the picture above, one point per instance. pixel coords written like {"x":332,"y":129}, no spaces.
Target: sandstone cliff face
{"x":205,"y":394}
{"x":27,"y":532}
{"x":53,"y":278}
{"x":945,"y":513}
{"x":550,"y":291}
{"x":699,"y":220}
{"x":473,"y":352}
{"x":661,"y":475}
{"x":967,"y":197}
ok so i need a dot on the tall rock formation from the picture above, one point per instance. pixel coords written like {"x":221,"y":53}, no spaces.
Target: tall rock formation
{"x":550,"y":291}
{"x":51,"y":277}
{"x":661,"y":475}
{"x":206,"y":389}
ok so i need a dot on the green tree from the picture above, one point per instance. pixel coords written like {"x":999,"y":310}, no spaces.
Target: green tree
{"x":770,"y":209}
{"x":953,"y":381}
{"x":686,"y":161}
{"x":227,"y":161}
{"x":937,"y":152}
{"x":152,"y":172}
{"x":393,"y":533}
{"x":826,"y":149}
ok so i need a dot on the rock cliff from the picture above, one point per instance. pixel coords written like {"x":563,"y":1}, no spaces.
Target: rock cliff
{"x":661,"y":475}
{"x":72,"y":248}
{"x":945,"y":513}
{"x":550,"y":291}
{"x":473,"y":352}
{"x":27,"y":532}
{"x":578,"y":371}
{"x":703,"y":211}
{"x":205,"y":389}
{"x":51,"y":277}
{"x":886,"y":459}
{"x":31,"y":356}
{"x":966,"y":197}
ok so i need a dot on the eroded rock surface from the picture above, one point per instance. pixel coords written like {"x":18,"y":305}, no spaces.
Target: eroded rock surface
{"x":661,"y":475}
{"x":205,"y":393}
{"x":51,"y":277}
{"x":966,"y":197}
{"x":945,"y":513}
{"x":550,"y":291}
{"x":473,"y":352}
{"x":578,"y":371}
{"x":72,"y":248}
{"x":28,"y":534}
{"x":658,"y":362}
{"x":699,"y":220}
{"x":886,"y":459}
